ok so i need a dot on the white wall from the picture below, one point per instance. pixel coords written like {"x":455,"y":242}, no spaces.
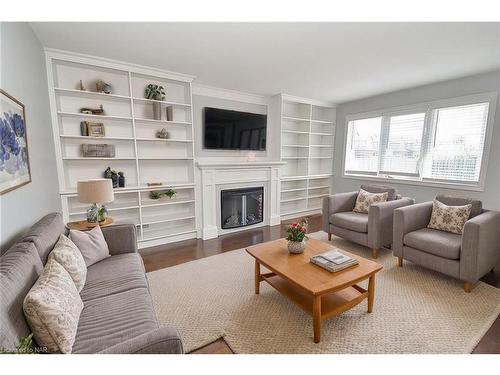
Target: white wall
{"x":23,"y":76}
{"x":459,"y":87}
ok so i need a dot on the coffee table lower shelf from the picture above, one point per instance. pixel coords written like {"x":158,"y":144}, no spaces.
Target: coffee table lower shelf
{"x":332,"y":304}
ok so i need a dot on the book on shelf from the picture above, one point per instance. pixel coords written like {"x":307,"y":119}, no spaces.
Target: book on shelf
{"x":333,"y":261}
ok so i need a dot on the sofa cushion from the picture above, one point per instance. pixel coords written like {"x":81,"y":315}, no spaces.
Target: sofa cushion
{"x":20,"y":267}
{"x":351,"y":220}
{"x":115,"y":274}
{"x":91,"y":244}
{"x":67,"y":255}
{"x":443,"y":244}
{"x":45,"y":233}
{"x":112,"y":319}
{"x":449,"y":218}
{"x":449,"y":200}
{"x":52,"y":308}
{"x":391,"y":192}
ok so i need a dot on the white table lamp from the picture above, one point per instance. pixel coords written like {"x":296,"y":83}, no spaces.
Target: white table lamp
{"x":97,"y":192}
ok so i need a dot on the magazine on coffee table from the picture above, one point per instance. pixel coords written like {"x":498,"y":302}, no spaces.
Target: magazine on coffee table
{"x":333,"y":261}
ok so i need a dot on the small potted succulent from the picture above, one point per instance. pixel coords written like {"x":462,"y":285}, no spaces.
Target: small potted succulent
{"x":155,"y":92}
{"x":159,"y":194}
{"x":297,"y":237}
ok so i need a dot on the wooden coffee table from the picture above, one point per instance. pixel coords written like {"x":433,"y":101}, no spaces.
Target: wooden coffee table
{"x":318,"y":292}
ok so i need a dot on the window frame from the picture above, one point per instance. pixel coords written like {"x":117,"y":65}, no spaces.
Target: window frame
{"x":428,"y":133}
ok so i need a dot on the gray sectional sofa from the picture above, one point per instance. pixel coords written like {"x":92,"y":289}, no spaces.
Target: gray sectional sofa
{"x":118,"y":315}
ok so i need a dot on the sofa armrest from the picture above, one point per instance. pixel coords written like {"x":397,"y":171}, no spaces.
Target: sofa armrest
{"x":480,"y":250}
{"x":121,"y":238}
{"x":408,"y":219}
{"x":164,"y":340}
{"x":340,"y":202}
{"x":380,"y":219}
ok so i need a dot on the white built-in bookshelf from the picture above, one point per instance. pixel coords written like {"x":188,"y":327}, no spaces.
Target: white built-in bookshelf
{"x":129,"y":126}
{"x":307,"y":141}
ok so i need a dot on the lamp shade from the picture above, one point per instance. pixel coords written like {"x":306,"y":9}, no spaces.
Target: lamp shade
{"x":95,"y":191}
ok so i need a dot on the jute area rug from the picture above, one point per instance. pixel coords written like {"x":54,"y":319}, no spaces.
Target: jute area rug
{"x":416,"y":310}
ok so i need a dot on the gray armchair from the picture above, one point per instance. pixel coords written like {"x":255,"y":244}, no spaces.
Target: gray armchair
{"x":467,"y":257}
{"x":374,"y":229}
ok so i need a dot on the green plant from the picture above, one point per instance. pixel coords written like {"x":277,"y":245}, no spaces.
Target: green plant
{"x":25,"y":346}
{"x":159,"y":194}
{"x":297,"y":232}
{"x":154,"y":92}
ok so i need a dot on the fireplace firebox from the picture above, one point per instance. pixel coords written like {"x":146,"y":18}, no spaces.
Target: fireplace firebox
{"x":242,"y":207}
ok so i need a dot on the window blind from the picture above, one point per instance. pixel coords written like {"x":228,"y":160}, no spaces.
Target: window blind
{"x":455,"y":152}
{"x":362,"y":150}
{"x":401,"y":152}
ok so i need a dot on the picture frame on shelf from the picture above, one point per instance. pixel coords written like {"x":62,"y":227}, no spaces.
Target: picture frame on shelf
{"x":14,"y":159}
{"x":95,"y":129}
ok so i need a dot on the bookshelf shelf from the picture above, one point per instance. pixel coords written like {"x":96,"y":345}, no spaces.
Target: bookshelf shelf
{"x":130,"y":126}
{"x":307,"y":131}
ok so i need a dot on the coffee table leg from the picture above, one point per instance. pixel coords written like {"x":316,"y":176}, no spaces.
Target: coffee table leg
{"x":257,"y":277}
{"x":371,"y":293}
{"x":317,"y":318}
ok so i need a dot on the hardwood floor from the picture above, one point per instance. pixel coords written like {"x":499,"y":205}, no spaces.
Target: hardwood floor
{"x":163,"y":256}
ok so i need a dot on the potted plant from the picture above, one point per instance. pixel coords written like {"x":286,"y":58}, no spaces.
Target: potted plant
{"x":158,"y":194}
{"x":155,"y":92}
{"x":297,"y":237}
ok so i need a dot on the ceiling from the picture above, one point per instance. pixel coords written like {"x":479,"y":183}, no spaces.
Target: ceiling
{"x":337,"y":62}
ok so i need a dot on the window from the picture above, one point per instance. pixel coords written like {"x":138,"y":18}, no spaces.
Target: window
{"x":364,"y":139}
{"x":439,"y":142}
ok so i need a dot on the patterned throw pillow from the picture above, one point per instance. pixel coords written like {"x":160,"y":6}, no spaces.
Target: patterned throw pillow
{"x":449,"y":218}
{"x":365,"y":199}
{"x":67,"y":255}
{"x":52,"y":308}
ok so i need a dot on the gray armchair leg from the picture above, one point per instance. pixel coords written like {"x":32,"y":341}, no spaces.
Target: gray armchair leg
{"x":400,"y":261}
{"x":329,"y":236}
{"x":374,"y":253}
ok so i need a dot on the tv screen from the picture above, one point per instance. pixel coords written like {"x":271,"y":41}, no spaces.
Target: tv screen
{"x":233,"y":130}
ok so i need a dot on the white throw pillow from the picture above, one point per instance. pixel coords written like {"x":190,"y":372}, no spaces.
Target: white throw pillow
{"x":67,"y":255}
{"x":52,"y":308}
{"x":365,"y":199}
{"x":91,"y":244}
{"x":449,"y":218}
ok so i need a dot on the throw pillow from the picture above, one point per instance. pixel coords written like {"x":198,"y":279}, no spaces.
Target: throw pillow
{"x":365,"y":199}
{"x":52,"y":308}
{"x":91,"y":244}
{"x":449,"y":218}
{"x":67,"y":255}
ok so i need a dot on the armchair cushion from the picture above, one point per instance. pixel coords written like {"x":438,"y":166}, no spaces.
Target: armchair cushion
{"x":449,"y":218}
{"x":354,"y":221}
{"x":443,"y":244}
{"x":391,"y":192}
{"x":458,"y":201}
{"x":365,"y":199}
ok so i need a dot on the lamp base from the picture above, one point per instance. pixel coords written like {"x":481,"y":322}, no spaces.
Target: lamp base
{"x":96,"y":214}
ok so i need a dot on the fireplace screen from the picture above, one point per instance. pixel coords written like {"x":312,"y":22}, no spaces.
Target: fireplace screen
{"x":242,"y":207}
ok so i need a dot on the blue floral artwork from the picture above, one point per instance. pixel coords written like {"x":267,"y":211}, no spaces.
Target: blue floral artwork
{"x":14,"y":163}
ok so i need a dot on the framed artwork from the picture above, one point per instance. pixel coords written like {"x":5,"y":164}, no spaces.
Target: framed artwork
{"x":96,"y":129}
{"x":14,"y":160}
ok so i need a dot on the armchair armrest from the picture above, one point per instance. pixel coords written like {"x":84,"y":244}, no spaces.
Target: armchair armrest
{"x":480,"y":250}
{"x":408,"y":219}
{"x":380,"y":219}
{"x":340,"y":202}
{"x":164,"y":340}
{"x":121,"y":238}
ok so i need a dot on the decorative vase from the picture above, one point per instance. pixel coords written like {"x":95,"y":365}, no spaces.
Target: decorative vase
{"x":156,"y":111}
{"x":121,"y":179}
{"x":295,"y":247}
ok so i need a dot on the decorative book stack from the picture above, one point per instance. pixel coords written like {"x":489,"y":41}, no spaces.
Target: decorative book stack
{"x":333,"y":261}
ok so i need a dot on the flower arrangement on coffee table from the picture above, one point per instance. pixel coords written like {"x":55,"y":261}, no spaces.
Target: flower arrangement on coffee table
{"x":296,"y":237}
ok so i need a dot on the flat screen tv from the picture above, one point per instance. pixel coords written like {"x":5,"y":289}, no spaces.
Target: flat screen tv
{"x":233,"y":130}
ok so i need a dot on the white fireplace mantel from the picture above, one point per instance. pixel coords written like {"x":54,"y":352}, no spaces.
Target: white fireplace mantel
{"x":217,"y":176}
